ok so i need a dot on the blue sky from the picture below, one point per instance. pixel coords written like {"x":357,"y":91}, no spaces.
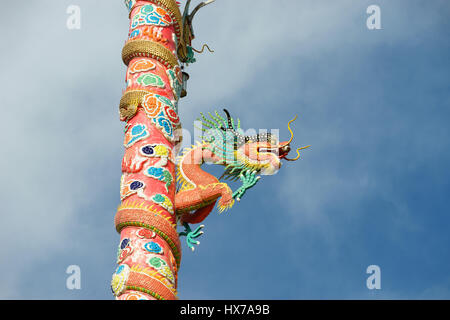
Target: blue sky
{"x":372,"y":189}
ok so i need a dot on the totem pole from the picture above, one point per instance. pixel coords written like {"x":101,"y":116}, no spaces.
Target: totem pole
{"x":152,"y":205}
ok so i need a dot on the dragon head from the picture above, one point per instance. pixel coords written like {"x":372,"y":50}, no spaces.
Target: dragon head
{"x":262,"y":152}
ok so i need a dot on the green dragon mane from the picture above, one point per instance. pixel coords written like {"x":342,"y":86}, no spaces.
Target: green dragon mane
{"x":223,"y":137}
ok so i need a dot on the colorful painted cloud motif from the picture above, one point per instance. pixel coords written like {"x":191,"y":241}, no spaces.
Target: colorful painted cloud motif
{"x":154,"y":104}
{"x":119,"y":279}
{"x":128,"y":188}
{"x":153,"y":247}
{"x":150,"y":79}
{"x":125,"y":249}
{"x":165,"y":125}
{"x":161,"y":266}
{"x":156,"y":151}
{"x":138,"y":132}
{"x":141,"y":65}
{"x":151,"y":15}
{"x":160,"y":174}
{"x":163,"y":201}
{"x":145,"y":233}
{"x":162,"y":112}
{"x":152,"y":33}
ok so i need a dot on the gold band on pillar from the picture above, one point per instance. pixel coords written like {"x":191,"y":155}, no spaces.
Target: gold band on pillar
{"x":148,"y":281}
{"x":149,"y":49}
{"x":128,"y":215}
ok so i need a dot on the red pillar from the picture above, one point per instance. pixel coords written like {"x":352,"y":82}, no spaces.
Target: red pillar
{"x":149,"y":252}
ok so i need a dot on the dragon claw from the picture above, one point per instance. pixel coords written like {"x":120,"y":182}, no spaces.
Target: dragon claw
{"x":249,"y":179}
{"x":192,"y":235}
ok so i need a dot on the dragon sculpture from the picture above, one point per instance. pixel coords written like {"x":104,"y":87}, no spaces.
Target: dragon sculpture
{"x":244,"y":158}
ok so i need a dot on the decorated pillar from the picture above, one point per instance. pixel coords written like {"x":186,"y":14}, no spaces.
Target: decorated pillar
{"x":149,"y":252}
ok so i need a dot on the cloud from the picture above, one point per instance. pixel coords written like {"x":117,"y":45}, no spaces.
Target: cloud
{"x":60,"y":129}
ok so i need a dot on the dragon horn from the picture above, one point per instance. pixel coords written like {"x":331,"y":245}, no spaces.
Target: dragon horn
{"x":230,"y":125}
{"x":186,"y":9}
{"x":200,"y":5}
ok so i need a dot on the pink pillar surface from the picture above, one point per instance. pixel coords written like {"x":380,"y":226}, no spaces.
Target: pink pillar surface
{"x":149,"y":252}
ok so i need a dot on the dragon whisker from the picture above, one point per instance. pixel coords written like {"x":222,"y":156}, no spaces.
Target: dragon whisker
{"x":298,"y":154}
{"x":290,"y":130}
{"x":203,"y":48}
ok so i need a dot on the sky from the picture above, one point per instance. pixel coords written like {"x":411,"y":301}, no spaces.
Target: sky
{"x":373,"y":189}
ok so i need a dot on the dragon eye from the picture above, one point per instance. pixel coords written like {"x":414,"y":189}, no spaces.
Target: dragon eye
{"x":136,"y":185}
{"x":148,"y":150}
